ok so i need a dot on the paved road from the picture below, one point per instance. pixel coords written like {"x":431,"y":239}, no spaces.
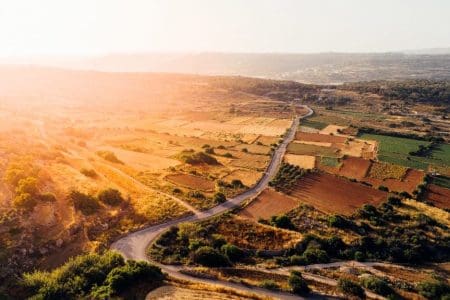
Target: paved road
{"x":134,"y":245}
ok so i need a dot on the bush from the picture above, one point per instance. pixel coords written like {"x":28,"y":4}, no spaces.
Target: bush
{"x":24,"y":201}
{"x":359,"y":256}
{"x":379,"y":286}
{"x":236,"y":183}
{"x":395,"y":201}
{"x":210,"y":257}
{"x":84,"y":203}
{"x":383,"y":188}
{"x":46,"y":197}
{"x":233,"y":252}
{"x":349,"y":287}
{"x":433,"y":289}
{"x":281,"y":221}
{"x":228,"y":155}
{"x":110,"y":197}
{"x":90,"y":276}
{"x":88,"y":172}
{"x":338,"y":221}
{"x":219,"y":198}
{"x":197,"y":195}
{"x":109,"y":156}
{"x":198,"y":158}
{"x":298,"y":284}
{"x":269,"y":284}
{"x":313,"y":256}
{"x":298,"y":260}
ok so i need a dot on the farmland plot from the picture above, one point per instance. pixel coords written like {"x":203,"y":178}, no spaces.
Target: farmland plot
{"x":331,"y":194}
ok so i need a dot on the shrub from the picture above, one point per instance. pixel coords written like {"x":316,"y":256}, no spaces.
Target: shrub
{"x":228,"y":155}
{"x":383,"y":188}
{"x":90,"y":276}
{"x":210,"y":257}
{"x":245,"y":150}
{"x":198,"y":158}
{"x":218,"y":240}
{"x":219,"y":198}
{"x":338,"y":221}
{"x":46,"y":197}
{"x":111,"y":197}
{"x":233,"y":252}
{"x":349,"y":287}
{"x":24,"y":201}
{"x":395,"y":201}
{"x":88,"y":172}
{"x":236,"y":183}
{"x":379,"y":286}
{"x":27,"y":185}
{"x":433,"y":289}
{"x":269,"y":284}
{"x":359,"y":256}
{"x":177,"y":191}
{"x":282,"y":221}
{"x":197,"y":195}
{"x":84,"y":203}
{"x":109,"y":156}
{"x":313,"y":255}
{"x":298,"y":284}
{"x":298,"y":260}
{"x":209,"y":150}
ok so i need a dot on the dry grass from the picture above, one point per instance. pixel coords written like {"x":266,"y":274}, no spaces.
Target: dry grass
{"x":436,"y":213}
{"x":303,"y":161}
{"x":251,"y":235}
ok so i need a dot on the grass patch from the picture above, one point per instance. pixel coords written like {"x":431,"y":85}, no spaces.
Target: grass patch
{"x":313,"y":124}
{"x":330,"y":161}
{"x":442,"y":181}
{"x":396,"y":150}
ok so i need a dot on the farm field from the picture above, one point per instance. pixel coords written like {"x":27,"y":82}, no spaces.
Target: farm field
{"x":312,"y":150}
{"x":396,"y":150}
{"x":303,"y":161}
{"x":191,"y":181}
{"x":331,"y":194}
{"x":437,"y":195}
{"x":267,"y":204}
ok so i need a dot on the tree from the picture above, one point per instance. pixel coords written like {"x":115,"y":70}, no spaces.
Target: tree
{"x":298,"y":284}
{"x":433,"y":289}
{"x":110,"y":197}
{"x":379,"y":286}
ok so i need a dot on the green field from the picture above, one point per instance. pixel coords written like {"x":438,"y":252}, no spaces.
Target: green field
{"x":313,"y":150}
{"x":442,"y":181}
{"x":396,"y":150}
{"x":313,"y":124}
{"x":330,"y":161}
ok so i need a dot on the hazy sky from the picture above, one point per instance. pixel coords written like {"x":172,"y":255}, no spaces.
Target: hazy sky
{"x":109,"y":26}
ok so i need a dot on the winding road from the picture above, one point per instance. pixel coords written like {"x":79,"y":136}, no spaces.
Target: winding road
{"x":134,"y":245}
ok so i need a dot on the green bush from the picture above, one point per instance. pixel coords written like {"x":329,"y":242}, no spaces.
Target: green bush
{"x":197,"y":195}
{"x":110,"y":197}
{"x":281,"y":221}
{"x":269,"y":284}
{"x":349,"y":287}
{"x":219,"y":198}
{"x":84,"y":203}
{"x":379,"y":286}
{"x":433,"y":289}
{"x":298,"y":260}
{"x":297,"y":284}
{"x":233,"y":252}
{"x":313,"y":256}
{"x":210,"y":257}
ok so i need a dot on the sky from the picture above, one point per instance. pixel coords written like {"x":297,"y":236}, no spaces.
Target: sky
{"x":97,"y":27}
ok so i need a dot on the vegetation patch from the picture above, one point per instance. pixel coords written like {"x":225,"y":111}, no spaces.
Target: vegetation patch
{"x":196,"y":158}
{"x":109,"y":156}
{"x":286,"y":177}
{"x":380,"y":170}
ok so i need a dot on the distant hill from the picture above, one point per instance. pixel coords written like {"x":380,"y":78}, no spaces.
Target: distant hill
{"x":321,"y":68}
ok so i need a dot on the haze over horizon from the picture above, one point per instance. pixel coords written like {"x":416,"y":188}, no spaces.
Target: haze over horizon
{"x":87,"y":28}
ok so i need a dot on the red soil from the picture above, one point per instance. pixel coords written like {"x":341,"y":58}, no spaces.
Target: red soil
{"x":408,"y":184}
{"x":355,"y":167}
{"x":332,"y":194}
{"x":439,"y":196}
{"x":267,"y":204}
{"x":191,"y":181}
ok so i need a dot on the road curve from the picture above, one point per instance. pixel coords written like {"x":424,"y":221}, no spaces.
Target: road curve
{"x":134,"y":245}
